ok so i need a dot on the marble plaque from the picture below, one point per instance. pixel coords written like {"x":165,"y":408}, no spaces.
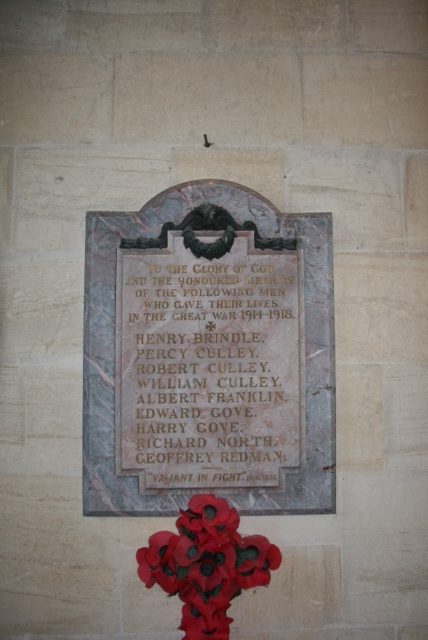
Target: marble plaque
{"x":207,"y":375}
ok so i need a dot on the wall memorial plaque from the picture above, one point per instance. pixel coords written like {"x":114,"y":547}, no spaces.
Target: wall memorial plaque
{"x":209,"y":355}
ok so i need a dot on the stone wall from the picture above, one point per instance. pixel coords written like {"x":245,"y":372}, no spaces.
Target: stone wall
{"x":321,"y":106}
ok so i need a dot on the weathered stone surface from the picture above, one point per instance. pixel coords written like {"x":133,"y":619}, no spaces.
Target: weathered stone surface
{"x":53,"y":400}
{"x":260,"y":25}
{"x":358,"y":633}
{"x":406,"y":410}
{"x":330,"y":632}
{"x":58,"y":570}
{"x":55,"y":188}
{"x":413,"y":633}
{"x":50,"y":456}
{"x":416,"y":199}
{"x":25,"y":24}
{"x":91,"y":31}
{"x":389,"y":26}
{"x":360,"y":437}
{"x":384,"y":517}
{"x":372,"y":101}
{"x":135,"y":6}
{"x":55,"y":97}
{"x":304,"y":592}
{"x":258,"y":169}
{"x":380,"y":309}
{"x":360,"y":187}
{"x":150,"y":89}
{"x":6,"y":182}
{"x":41,"y":308}
{"x":12,"y":425}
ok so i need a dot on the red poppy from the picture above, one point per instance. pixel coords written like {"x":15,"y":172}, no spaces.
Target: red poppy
{"x":201,"y":625}
{"x":217,"y":517}
{"x":144,"y":571}
{"x":187,"y":551}
{"x":156,"y":562}
{"x":217,"y":598}
{"x":189,"y":524}
{"x":256,"y":557}
{"x":223,"y":555}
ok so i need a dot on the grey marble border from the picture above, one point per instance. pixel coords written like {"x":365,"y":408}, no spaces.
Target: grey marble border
{"x":309,"y":489}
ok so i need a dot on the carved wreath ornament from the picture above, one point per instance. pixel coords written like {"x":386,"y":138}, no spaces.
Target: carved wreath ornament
{"x":207,"y":564}
{"x":208,"y":217}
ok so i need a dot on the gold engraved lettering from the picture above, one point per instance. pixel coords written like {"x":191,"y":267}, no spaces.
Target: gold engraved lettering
{"x":231,"y":457}
{"x":160,"y":427}
{"x":251,"y":382}
{"x":217,"y":427}
{"x":204,"y":385}
{"x":177,"y":268}
{"x":169,"y":368}
{"x":210,"y":268}
{"x":161,"y":354}
{"x":172,"y":383}
{"x":167,"y":413}
{"x":174,"y":457}
{"x":168,"y":398}
{"x":265,"y":397}
{"x":162,"y":281}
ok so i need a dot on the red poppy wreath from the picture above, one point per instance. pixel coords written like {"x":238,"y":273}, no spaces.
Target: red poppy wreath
{"x":207,"y":564}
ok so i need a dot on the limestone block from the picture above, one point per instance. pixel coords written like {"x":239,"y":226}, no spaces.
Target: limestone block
{"x":25,"y":24}
{"x":12,"y":458}
{"x":260,"y":170}
{"x":142,"y":608}
{"x":380,"y":309}
{"x":55,"y":97}
{"x":329,"y":633}
{"x":58,"y":570}
{"x":416,"y":200}
{"x":53,"y":401}
{"x":237,"y":99}
{"x":359,"y":433}
{"x":358,"y":633}
{"x":55,"y":188}
{"x":304,"y":592}
{"x":360,"y":187}
{"x":135,"y":6}
{"x":385,"y":556}
{"x":406,"y":410}
{"x":12,"y":425}
{"x":43,"y":456}
{"x":389,"y":26}
{"x":324,"y":529}
{"x":6,"y":181}
{"x":54,"y":456}
{"x":41,"y":309}
{"x":372,"y":101}
{"x":233,"y":24}
{"x":413,"y":633}
{"x":133,"y":32}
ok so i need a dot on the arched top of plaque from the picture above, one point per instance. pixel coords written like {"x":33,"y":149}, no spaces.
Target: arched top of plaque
{"x":243,"y":203}
{"x":209,"y":215}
